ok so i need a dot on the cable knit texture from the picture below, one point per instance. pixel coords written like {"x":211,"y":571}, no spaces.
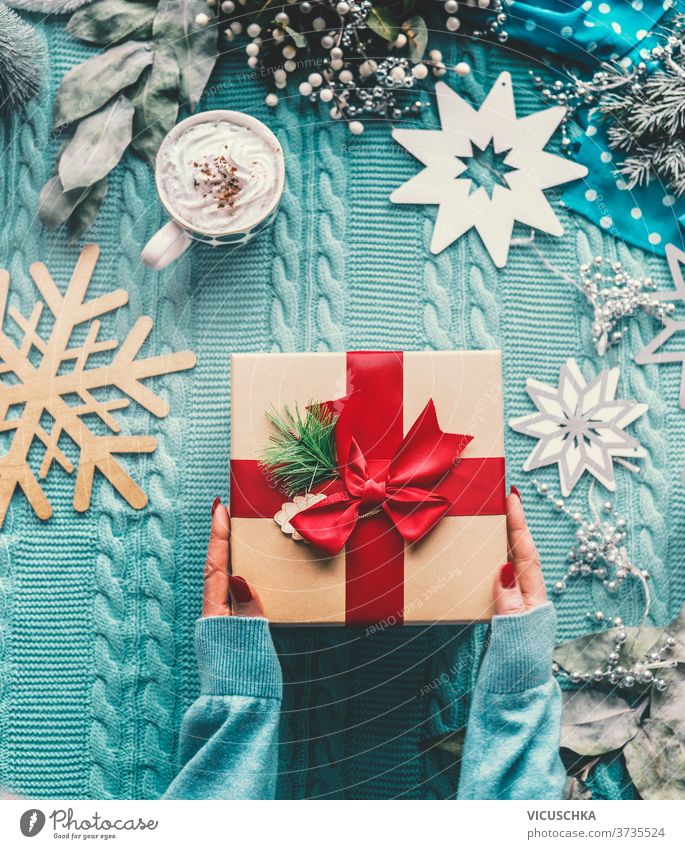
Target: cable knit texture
{"x":97,"y":610}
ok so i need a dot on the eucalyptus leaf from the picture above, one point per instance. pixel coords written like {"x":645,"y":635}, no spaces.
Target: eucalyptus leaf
{"x":595,"y":723}
{"x":586,"y":653}
{"x":642,"y":641}
{"x":383,"y":22}
{"x":669,"y":704}
{"x":452,"y":743}
{"x":55,"y":205}
{"x":77,"y":208}
{"x":97,"y":145}
{"x":655,"y":760}
{"x":87,"y":87}
{"x":156,"y":104}
{"x":417,"y":35}
{"x":298,"y":38}
{"x":82,"y":218}
{"x":194,"y":47}
{"x":677,"y":630}
{"x":590,"y":651}
{"x":577,"y":790}
{"x":108,"y":21}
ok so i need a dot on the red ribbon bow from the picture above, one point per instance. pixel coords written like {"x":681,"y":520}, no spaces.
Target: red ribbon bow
{"x":402,"y":486}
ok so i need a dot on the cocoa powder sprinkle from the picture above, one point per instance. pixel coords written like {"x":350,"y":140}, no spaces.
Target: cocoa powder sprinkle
{"x":216,"y":178}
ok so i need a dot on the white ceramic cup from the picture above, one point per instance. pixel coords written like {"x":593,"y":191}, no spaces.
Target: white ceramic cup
{"x":177,"y":234}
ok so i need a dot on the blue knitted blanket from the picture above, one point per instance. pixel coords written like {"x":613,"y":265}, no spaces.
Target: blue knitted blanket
{"x":96,"y":610}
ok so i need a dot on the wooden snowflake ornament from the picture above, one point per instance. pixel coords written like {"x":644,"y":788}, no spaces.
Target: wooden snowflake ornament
{"x":44,"y":388}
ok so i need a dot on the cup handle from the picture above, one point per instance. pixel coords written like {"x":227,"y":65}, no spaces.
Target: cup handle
{"x":165,"y":246}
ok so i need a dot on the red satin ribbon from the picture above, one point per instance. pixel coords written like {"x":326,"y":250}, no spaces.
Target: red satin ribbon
{"x":407,"y":484}
{"x":403,"y":486}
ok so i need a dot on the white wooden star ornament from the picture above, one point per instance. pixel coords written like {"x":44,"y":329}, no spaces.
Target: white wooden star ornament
{"x":660,"y":349}
{"x":517,"y":193}
{"x":580,"y":426}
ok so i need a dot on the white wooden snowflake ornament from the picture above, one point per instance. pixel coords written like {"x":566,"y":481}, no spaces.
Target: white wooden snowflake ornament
{"x":661,"y":349}
{"x":580,"y":426}
{"x":518,"y":190}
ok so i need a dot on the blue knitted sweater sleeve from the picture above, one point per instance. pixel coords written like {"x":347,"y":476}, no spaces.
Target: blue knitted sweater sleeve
{"x":512,"y":737}
{"x":228,"y":746}
{"x":229,"y":736}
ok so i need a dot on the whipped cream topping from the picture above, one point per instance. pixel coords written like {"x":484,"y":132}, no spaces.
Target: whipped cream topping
{"x":219,"y":176}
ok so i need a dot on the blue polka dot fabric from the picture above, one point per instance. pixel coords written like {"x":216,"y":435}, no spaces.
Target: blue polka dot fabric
{"x":647,"y":216}
{"x":587,"y":34}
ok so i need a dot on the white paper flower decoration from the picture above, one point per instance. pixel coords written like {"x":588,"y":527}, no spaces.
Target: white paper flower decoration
{"x":517,"y":192}
{"x":580,"y":426}
{"x":292,"y":508}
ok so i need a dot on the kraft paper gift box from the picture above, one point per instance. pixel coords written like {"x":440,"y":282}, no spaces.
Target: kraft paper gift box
{"x":378,"y":577}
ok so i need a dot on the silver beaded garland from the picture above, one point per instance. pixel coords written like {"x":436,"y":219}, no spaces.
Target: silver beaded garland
{"x":491,"y":24}
{"x":598,"y":551}
{"x":600,"y":555}
{"x":616,"y":296}
{"x":350,"y":75}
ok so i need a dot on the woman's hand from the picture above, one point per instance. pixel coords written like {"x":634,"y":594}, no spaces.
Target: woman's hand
{"x":225,"y":594}
{"x":520,"y":585}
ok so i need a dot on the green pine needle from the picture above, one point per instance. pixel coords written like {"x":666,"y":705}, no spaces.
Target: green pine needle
{"x":301,"y":450}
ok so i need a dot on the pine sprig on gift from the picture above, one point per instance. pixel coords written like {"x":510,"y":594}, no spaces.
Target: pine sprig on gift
{"x":301,"y":450}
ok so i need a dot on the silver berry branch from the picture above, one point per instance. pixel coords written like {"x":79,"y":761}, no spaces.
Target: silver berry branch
{"x":599,"y":554}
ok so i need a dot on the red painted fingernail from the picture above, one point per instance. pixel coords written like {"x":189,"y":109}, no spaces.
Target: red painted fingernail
{"x":516,"y":492}
{"x":240,"y":589}
{"x":215,"y":504}
{"x":507,"y":576}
